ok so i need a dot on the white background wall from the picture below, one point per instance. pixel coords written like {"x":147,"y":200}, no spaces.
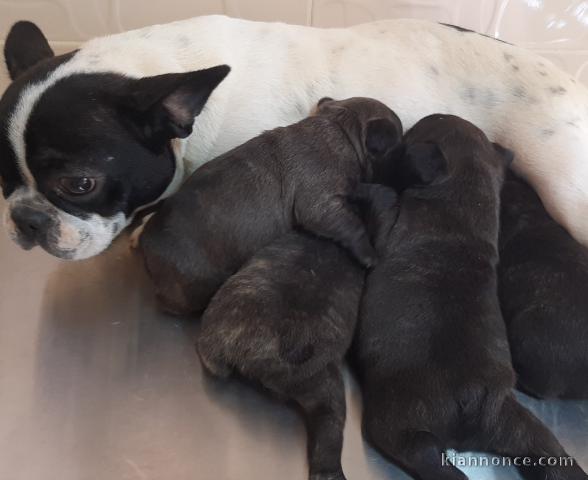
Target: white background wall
{"x":558,"y":29}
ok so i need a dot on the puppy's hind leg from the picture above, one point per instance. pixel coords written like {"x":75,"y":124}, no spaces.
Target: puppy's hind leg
{"x":333,"y":217}
{"x":421,"y":455}
{"x":209,"y":350}
{"x":322,"y":401}
{"x":516,"y":432}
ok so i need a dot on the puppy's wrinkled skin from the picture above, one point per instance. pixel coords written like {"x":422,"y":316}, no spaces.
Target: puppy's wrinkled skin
{"x":302,"y":176}
{"x":431,"y":347}
{"x":542,"y":280}
{"x":286,"y":320}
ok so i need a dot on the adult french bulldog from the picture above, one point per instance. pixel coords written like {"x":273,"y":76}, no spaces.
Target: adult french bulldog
{"x":89,"y":138}
{"x":542,"y":280}
{"x":285,"y":321}
{"x":431,"y":348}
{"x":305,"y":175}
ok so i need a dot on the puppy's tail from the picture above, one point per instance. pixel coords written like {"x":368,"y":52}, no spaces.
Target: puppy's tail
{"x":419,"y":453}
{"x":388,"y":425}
{"x":517,"y":434}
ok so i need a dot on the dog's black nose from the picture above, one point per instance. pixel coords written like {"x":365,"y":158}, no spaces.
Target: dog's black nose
{"x":32,"y":224}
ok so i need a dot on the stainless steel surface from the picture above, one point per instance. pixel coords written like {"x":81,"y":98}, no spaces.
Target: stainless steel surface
{"x":95,"y":384}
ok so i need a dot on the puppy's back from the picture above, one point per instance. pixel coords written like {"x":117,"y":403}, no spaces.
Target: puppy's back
{"x":543,"y":274}
{"x":530,"y":238}
{"x":433,"y":293}
{"x":289,"y":311}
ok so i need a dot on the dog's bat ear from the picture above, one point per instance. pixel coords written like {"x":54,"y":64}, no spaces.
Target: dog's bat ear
{"x":24,"y":47}
{"x":504,"y":153}
{"x":422,"y":164}
{"x":382,"y":136}
{"x":167,"y":104}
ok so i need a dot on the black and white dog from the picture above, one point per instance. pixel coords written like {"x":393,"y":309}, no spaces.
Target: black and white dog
{"x":89,"y":138}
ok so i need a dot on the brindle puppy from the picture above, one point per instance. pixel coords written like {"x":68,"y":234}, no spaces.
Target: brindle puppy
{"x":431,"y":346}
{"x":298,"y":176}
{"x":286,"y":320}
{"x":542,"y":280}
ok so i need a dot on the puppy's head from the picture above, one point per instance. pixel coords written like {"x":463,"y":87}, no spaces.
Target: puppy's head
{"x":439,"y":147}
{"x":82,"y":149}
{"x":520,"y":207}
{"x":375,"y":130}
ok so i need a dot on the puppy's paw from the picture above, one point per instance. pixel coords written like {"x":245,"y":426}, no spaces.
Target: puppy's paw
{"x":366,"y":254}
{"x":370,"y":261}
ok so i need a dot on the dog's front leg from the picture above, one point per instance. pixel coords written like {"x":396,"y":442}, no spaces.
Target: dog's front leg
{"x":333,"y":217}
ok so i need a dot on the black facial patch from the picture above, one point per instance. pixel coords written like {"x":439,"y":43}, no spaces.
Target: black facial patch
{"x":467,"y":30}
{"x":9,"y":171}
{"x":80,"y":128}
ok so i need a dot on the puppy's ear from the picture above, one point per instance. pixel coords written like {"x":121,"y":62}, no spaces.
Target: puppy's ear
{"x":25,"y":46}
{"x":504,"y":153}
{"x":422,"y":164}
{"x":382,"y":136}
{"x":324,"y":100}
{"x":165,"y":105}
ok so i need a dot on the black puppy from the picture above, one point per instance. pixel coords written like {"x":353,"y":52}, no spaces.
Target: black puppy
{"x":431,"y":347}
{"x":302,"y":175}
{"x":286,"y":320}
{"x":542,"y":280}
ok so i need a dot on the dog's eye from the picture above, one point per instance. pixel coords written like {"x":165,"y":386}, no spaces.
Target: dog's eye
{"x":77,"y":185}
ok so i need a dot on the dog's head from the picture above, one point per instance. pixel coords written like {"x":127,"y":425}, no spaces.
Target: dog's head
{"x":375,"y":130}
{"x":82,"y":148}
{"x":444,"y":146}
